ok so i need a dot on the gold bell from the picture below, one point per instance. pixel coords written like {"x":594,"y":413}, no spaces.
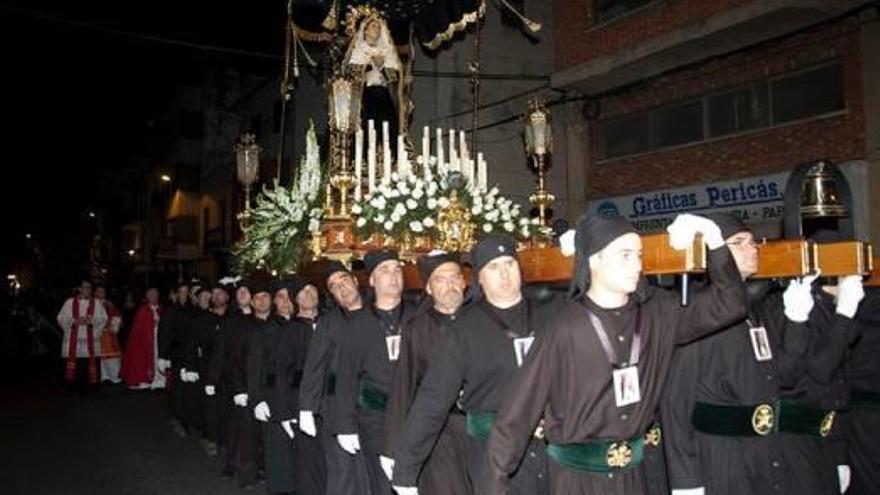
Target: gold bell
{"x":819,"y":198}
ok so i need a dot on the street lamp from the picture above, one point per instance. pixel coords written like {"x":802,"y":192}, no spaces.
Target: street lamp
{"x":344,"y":104}
{"x":165,"y":178}
{"x":247,"y":157}
{"x":539,"y":143}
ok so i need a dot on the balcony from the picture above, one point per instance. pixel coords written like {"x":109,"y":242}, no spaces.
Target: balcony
{"x":725,"y":32}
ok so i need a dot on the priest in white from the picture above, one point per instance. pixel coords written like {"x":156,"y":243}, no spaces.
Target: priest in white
{"x":82,"y":318}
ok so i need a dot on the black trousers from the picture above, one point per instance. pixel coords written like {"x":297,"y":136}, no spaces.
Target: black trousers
{"x":346,"y":473}
{"x":80,"y":382}
{"x":244,"y":447}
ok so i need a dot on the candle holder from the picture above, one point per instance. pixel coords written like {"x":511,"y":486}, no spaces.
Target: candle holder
{"x":345,"y":114}
{"x":247,"y":157}
{"x":539,"y":143}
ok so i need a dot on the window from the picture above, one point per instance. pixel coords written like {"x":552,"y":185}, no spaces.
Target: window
{"x":606,"y":10}
{"x":738,"y":110}
{"x":807,"y":94}
{"x":626,"y":135}
{"x":757,"y":105}
{"x":679,"y":124}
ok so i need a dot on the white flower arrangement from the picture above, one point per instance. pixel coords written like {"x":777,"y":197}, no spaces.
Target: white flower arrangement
{"x":283,"y":217}
{"x":409,"y":205}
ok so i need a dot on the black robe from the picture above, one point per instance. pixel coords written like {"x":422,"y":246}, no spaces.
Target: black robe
{"x":364,"y":361}
{"x":308,"y":456}
{"x":190,"y":328}
{"x":567,"y":378}
{"x":722,"y":369}
{"x":863,"y":425}
{"x":346,"y":473}
{"x":243,"y":430}
{"x":474,"y":366}
{"x":210,"y":327}
{"x":445,"y":471}
{"x":172,"y":343}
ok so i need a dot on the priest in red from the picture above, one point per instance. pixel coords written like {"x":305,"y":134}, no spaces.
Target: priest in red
{"x":139,"y":364}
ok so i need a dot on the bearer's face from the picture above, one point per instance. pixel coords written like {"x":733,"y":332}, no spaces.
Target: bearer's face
{"x":387,"y":279}
{"x":182,"y":293}
{"x":618,"y":267}
{"x":307,"y":297}
{"x":100,"y":293}
{"x":261,"y":302}
{"x":446,"y":285}
{"x":243,"y":296}
{"x":344,"y":289}
{"x":219,"y":297}
{"x":500,"y":278}
{"x":745,"y":252}
{"x":283,"y":304}
{"x":204,"y":299}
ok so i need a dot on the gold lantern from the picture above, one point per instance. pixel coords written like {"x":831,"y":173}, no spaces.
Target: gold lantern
{"x":345,"y":115}
{"x":247,"y":160}
{"x":539,"y":143}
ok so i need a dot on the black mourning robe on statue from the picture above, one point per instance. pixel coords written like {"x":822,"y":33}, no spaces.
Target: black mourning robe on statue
{"x":567,"y":378}
{"x":479,"y":357}
{"x":445,"y":471}
{"x":722,"y":369}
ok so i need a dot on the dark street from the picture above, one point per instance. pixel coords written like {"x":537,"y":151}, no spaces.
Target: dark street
{"x":112,"y":442}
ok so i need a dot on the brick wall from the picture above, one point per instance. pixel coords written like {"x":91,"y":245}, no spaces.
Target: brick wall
{"x":839,"y":137}
{"x":578,"y":40}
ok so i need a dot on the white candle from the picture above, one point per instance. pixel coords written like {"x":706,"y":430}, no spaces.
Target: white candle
{"x":482,"y":173}
{"x":453,"y":158}
{"x":358,"y":162}
{"x":426,"y":153}
{"x":371,"y":155}
{"x":386,"y":154}
{"x":402,"y":168}
{"x":441,"y":164}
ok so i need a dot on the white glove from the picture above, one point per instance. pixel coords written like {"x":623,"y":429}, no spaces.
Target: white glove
{"x":307,"y":423}
{"x":261,"y":412}
{"x":288,"y":427}
{"x":850,"y":293}
{"x":686,"y":226}
{"x":349,"y":443}
{"x":844,"y":476}
{"x":387,"y":464}
{"x":566,"y":243}
{"x":163,"y":364}
{"x":209,"y":390}
{"x":690,"y":491}
{"x":183,"y":375}
{"x":406,"y":490}
{"x":798,"y":299}
{"x":240,"y":400}
{"x":192,"y":376}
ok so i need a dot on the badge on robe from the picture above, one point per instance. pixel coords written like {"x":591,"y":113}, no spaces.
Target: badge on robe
{"x":392,"y":344}
{"x":626,"y":386}
{"x":521,"y":346}
{"x":761,"y":344}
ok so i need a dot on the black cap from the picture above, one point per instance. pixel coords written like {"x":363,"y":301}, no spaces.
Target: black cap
{"x":593,"y":233}
{"x":431,"y":261}
{"x":200,"y":290}
{"x":729,"y":224}
{"x":376,"y":257}
{"x":489,"y":248}
{"x":259,"y":281}
{"x":293,"y":284}
{"x":334,"y":266}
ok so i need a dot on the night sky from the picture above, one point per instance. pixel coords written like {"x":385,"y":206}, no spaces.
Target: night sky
{"x":78,"y":93}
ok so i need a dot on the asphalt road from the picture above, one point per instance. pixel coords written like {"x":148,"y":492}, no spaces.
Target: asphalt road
{"x":112,"y":442}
